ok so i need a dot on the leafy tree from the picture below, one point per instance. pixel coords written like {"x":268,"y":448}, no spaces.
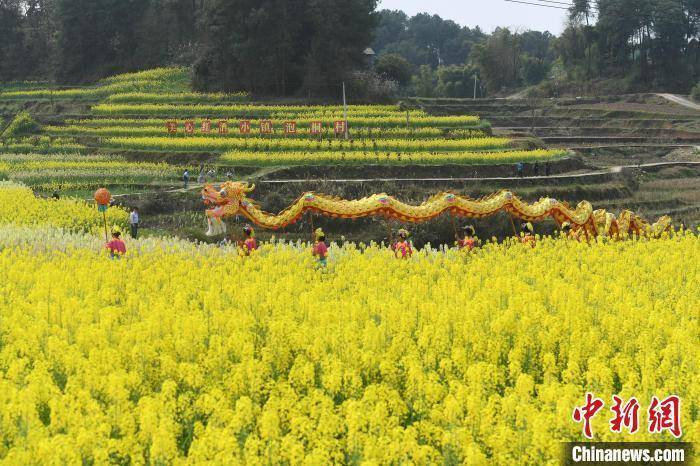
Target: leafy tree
{"x":652,"y":42}
{"x":13,"y":57}
{"x":394,"y":67}
{"x":424,"y":82}
{"x":695,"y":93}
{"x":424,"y":39}
{"x":498,"y":59}
{"x":283,"y":46}
{"x":456,"y":80}
{"x":95,"y":37}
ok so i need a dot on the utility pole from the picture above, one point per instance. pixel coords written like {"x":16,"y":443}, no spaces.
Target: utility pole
{"x":345,"y":112}
{"x":475,"y":87}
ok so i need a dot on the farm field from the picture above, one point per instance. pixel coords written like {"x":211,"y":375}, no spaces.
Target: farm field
{"x":125,"y":117}
{"x":353,"y":233}
{"x":184,"y":352}
{"x":448,"y":358}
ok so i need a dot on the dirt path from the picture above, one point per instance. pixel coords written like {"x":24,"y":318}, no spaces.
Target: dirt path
{"x":680,"y":101}
{"x":615,"y":169}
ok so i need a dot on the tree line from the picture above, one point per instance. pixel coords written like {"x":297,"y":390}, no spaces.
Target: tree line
{"x":308,"y":47}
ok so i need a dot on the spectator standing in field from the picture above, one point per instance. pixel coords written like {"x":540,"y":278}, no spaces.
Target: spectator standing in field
{"x":186,"y":178}
{"x":546,"y":169}
{"x":519,"y":168}
{"x":134,"y":222}
{"x":201,"y":179}
{"x":537,"y":169}
{"x":116,"y":247}
{"x":320,"y":248}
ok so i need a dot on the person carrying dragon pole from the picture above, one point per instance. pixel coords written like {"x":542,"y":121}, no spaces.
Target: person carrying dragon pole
{"x":527,"y":235}
{"x":470,"y":241}
{"x":249,"y":244}
{"x":567,"y":232}
{"x":402,"y":248}
{"x":320,"y":248}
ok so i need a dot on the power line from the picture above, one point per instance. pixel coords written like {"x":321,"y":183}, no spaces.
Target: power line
{"x":538,"y":4}
{"x":555,"y":4}
{"x":591,"y":6}
{"x":554,"y":1}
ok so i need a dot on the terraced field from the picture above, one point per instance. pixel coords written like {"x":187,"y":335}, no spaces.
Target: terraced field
{"x":125,"y":119}
{"x":115,"y":133}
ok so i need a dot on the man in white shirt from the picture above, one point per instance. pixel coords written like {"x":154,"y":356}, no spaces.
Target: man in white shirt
{"x":134,"y":222}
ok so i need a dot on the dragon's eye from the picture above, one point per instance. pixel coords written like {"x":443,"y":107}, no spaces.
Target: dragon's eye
{"x":223,"y":192}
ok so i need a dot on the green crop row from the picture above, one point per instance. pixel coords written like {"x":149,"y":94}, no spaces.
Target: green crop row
{"x":198,"y":144}
{"x":353,"y":121}
{"x":238,"y":158}
{"x":428,"y":123}
{"x":40,"y":145}
{"x":176,"y":98}
{"x":259,"y":111}
{"x":302,"y":133}
{"x":82,"y":171}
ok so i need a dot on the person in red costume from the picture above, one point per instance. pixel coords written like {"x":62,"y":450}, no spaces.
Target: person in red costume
{"x":527,"y":236}
{"x":320,"y":248}
{"x":116,"y":247}
{"x":470,"y":241}
{"x":249,"y":244}
{"x":402,"y":248}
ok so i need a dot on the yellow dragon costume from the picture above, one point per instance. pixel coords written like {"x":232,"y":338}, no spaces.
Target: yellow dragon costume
{"x":230,"y":199}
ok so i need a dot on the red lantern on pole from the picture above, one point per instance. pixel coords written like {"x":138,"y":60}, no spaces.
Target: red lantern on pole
{"x":103,"y":198}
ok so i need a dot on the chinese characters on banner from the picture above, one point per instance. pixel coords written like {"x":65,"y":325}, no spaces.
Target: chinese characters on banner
{"x":189,"y":127}
{"x":662,"y":415}
{"x":223,"y":126}
{"x":244,"y":127}
{"x":339,"y":126}
{"x":316,"y":127}
{"x":206,"y":126}
{"x":265,"y":127}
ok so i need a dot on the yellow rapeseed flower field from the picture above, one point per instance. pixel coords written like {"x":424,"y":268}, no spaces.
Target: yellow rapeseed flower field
{"x":180,"y":354}
{"x":19,"y":206}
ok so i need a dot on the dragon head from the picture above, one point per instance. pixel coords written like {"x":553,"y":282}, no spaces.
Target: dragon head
{"x":229,"y":193}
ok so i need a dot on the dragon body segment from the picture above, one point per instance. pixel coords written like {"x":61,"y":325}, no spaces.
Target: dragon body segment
{"x":231,"y":200}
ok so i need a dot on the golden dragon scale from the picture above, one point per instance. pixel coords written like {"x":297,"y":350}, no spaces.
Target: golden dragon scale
{"x":231,"y":200}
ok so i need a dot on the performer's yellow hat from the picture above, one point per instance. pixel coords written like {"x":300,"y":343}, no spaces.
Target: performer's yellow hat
{"x":403,"y":233}
{"x":319,"y":233}
{"x":528,"y":227}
